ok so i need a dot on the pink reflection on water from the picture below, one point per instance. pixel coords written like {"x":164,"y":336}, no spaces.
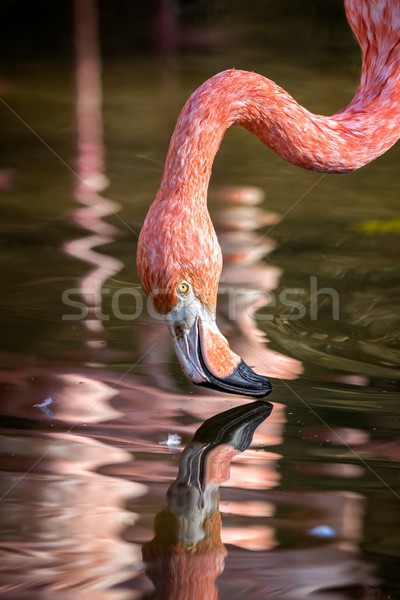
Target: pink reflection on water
{"x":237,"y":219}
{"x":7,"y":179}
{"x":61,"y":518}
{"x":186,"y":554}
{"x":67,"y":523}
{"x":90,"y":173}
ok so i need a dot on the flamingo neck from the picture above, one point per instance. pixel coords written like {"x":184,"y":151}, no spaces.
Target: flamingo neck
{"x":351,"y":138}
{"x":178,"y":240}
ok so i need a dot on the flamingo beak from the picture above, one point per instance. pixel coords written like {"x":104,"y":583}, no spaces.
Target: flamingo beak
{"x":205,"y":356}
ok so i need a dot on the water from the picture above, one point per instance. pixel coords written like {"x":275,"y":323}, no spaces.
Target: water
{"x":89,"y":404}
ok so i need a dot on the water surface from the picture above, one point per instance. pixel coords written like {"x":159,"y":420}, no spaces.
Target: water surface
{"x":311,"y":509}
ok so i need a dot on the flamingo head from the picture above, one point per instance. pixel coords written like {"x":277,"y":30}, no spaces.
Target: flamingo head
{"x":180,"y":266}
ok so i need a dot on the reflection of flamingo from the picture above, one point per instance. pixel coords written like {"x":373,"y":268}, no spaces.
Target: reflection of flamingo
{"x":187,"y":554}
{"x":246,"y":279}
{"x":179,"y":259}
{"x":90,"y":166}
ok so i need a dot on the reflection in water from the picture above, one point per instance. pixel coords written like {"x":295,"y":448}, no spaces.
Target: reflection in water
{"x":302,"y":511}
{"x":91,"y":177}
{"x":291,"y":544}
{"x":53,"y":539}
{"x":187,"y":554}
{"x":65,"y":485}
{"x":61,"y":519}
{"x":247,"y":280}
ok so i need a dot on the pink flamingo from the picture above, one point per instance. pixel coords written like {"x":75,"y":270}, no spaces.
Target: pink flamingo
{"x":179,"y":259}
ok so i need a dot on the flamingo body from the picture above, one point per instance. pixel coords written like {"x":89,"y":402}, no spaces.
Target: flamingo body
{"x":178,"y":245}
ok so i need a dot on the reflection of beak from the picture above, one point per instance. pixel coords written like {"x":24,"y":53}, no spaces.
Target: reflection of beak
{"x":205,"y":356}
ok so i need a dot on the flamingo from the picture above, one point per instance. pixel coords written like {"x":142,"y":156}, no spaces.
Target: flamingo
{"x":178,"y":256}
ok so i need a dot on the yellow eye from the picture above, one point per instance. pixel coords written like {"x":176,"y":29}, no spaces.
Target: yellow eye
{"x":183,"y":287}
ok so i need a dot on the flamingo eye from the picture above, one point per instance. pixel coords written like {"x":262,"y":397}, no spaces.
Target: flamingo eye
{"x":183,"y":287}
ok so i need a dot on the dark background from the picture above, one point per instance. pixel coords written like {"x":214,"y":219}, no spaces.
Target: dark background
{"x":127,"y":27}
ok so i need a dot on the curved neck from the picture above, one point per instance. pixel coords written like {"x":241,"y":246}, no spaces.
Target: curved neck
{"x":351,"y":138}
{"x":177,"y":240}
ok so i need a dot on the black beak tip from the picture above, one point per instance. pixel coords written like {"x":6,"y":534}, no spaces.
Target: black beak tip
{"x":243,"y":381}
